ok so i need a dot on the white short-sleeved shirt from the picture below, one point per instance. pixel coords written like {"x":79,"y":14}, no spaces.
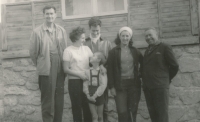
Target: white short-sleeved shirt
{"x":78,"y":58}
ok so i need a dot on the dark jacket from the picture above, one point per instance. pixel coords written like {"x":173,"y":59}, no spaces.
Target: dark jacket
{"x":104,"y":46}
{"x":114,"y":67}
{"x":159,"y":66}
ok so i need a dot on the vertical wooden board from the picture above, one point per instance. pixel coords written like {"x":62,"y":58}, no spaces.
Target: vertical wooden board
{"x":129,"y":14}
{"x":18,"y":28}
{"x":143,"y":14}
{"x":32,"y":14}
{"x":0,"y":39}
{"x":199,"y":17}
{"x":4,"y":31}
{"x":194,"y":16}
{"x":159,"y":17}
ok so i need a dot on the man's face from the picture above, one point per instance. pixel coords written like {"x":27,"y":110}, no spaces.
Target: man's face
{"x":95,"y":31}
{"x":151,"y":36}
{"x":50,"y":15}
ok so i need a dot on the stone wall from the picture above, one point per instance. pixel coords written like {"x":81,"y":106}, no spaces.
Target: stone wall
{"x":20,"y":95}
{"x":21,"y":91}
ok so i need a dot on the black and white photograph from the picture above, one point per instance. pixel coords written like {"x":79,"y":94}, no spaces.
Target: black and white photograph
{"x":100,"y":61}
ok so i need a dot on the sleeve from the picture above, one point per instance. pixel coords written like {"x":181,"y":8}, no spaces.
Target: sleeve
{"x":140,"y":63}
{"x":86,"y":84}
{"x":67,"y":55}
{"x":89,"y":51}
{"x":110,"y":70}
{"x":64,"y":45}
{"x":102,"y":84}
{"x":171,"y":61}
{"x":110,"y":46}
{"x":34,"y":47}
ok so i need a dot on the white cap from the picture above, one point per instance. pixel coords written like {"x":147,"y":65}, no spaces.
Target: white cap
{"x":126,"y":29}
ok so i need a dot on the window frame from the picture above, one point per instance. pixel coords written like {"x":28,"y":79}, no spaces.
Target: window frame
{"x":94,"y":9}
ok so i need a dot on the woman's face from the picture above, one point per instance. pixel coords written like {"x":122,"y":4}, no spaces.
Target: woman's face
{"x":81,"y":40}
{"x":125,"y":37}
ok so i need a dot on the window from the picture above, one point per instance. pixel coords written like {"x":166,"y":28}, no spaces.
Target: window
{"x":72,"y":9}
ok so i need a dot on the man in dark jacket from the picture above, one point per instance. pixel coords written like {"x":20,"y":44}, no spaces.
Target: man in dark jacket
{"x":159,"y":67}
{"x":97,"y":44}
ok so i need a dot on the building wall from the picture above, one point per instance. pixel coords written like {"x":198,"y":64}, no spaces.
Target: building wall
{"x":19,"y":91}
{"x":21,"y":98}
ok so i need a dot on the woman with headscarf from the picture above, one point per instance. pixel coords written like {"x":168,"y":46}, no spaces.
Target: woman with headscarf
{"x":124,"y":64}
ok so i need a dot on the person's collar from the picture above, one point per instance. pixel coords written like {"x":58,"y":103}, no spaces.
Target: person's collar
{"x":154,"y":45}
{"x":94,"y":40}
{"x":119,"y":46}
{"x":89,"y":39}
{"x":158,"y":42}
{"x":45,"y":27}
{"x":122,"y":46}
{"x":101,"y":39}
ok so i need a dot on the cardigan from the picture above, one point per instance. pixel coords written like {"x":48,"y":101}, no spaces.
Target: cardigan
{"x":114,"y":67}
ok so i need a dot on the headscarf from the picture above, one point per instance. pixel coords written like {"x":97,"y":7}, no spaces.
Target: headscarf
{"x":126,"y":29}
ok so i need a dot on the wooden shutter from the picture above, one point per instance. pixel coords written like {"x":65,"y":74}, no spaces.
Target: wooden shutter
{"x":176,"y":20}
{"x":142,"y":14}
{"x":16,"y":30}
{"x":18,"y":22}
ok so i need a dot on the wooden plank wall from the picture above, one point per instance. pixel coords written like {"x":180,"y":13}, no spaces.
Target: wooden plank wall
{"x":143,"y":14}
{"x":176,"y":21}
{"x":19,"y":26}
{"x":170,"y":17}
{"x":175,"y":18}
{"x":0,"y":38}
{"x":110,"y":24}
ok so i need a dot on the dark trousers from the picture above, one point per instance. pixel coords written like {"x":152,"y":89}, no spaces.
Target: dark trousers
{"x":127,"y":102}
{"x":52,"y":92}
{"x":157,"y":102}
{"x":105,"y":109}
{"x":79,"y":101}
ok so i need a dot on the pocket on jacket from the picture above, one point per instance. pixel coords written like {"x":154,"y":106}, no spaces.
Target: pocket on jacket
{"x":42,"y":65}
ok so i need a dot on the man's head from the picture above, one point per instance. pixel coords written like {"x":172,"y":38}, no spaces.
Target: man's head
{"x":49,"y":13}
{"x":95,"y":26}
{"x":151,"y":36}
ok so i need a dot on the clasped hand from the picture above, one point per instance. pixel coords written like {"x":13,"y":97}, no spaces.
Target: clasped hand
{"x":91,"y":98}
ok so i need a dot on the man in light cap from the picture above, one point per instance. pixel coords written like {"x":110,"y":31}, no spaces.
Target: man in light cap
{"x":159,"y":67}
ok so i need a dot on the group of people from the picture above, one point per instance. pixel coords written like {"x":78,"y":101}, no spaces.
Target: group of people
{"x":94,"y":67}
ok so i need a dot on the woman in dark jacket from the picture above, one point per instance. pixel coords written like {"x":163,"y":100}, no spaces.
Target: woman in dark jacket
{"x":124,"y":64}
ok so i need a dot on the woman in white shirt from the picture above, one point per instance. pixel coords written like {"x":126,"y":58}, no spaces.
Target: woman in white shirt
{"x":76,"y":62}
